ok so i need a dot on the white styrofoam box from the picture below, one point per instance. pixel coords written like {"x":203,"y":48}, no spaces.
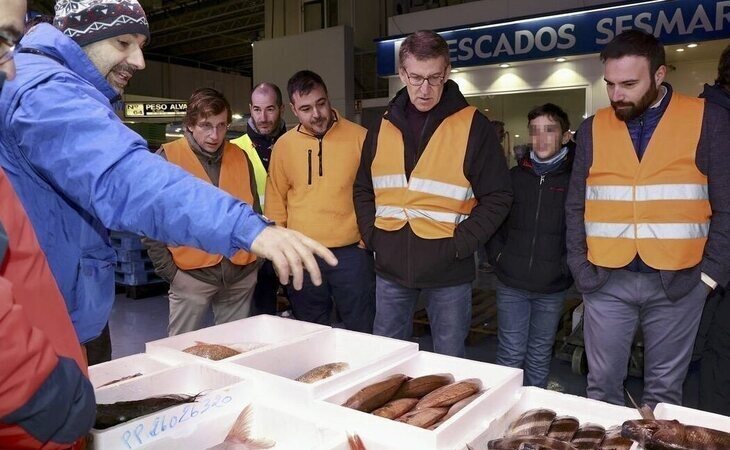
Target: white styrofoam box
{"x":281,"y":364}
{"x":583,"y":409}
{"x":220,"y":393}
{"x":501,"y":385}
{"x":689,"y":416}
{"x":299,"y":432}
{"x":255,"y":332}
{"x":115,"y":369}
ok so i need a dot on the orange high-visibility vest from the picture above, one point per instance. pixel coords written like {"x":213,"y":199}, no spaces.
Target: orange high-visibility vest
{"x":657,"y":207}
{"x":437,"y":197}
{"x":234,"y":179}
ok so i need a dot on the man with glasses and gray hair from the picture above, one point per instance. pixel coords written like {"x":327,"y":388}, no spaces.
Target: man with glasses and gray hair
{"x":199,"y":280}
{"x":431,"y":189}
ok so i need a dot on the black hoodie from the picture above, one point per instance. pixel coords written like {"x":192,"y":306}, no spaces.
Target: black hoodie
{"x":407,"y":259}
{"x":716,"y":94}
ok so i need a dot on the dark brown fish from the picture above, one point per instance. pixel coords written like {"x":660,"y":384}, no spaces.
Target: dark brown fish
{"x":528,"y":442}
{"x":535,"y":422}
{"x":563,"y":428}
{"x":214,"y":352}
{"x":614,"y":441}
{"x":673,"y":435}
{"x":121,"y":379}
{"x":109,"y":415}
{"x":588,"y":437}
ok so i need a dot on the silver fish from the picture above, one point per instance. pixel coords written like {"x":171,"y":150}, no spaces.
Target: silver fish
{"x":322,"y":372}
{"x":239,"y":438}
{"x":535,"y":422}
{"x":138,"y":374}
{"x":588,"y":436}
{"x":673,"y":435}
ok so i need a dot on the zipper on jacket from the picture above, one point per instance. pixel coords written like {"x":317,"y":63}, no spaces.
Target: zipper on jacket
{"x":537,"y":218}
{"x":309,"y":163}
{"x":640,"y":150}
{"x":320,"y":158}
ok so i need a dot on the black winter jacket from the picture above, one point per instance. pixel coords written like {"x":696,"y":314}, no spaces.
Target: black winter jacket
{"x":407,"y":259}
{"x":528,"y":252}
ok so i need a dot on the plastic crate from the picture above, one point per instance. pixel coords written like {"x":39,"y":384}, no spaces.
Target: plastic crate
{"x":126,"y":241}
{"x":136,"y":279}
{"x":131,"y":255}
{"x":134,"y":266}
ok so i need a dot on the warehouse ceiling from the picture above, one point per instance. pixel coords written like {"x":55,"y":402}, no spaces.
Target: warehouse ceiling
{"x":211,"y":34}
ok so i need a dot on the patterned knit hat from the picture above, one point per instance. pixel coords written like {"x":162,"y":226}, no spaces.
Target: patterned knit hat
{"x":89,"y":21}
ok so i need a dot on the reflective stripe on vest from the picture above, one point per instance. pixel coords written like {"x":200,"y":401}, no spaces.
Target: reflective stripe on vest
{"x":234,"y":179}
{"x":659,"y":207}
{"x":438,"y":196}
{"x":259,"y":170}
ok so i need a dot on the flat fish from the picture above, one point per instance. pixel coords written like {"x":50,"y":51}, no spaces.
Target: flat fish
{"x":588,"y":437}
{"x":673,"y":435}
{"x":528,"y":442}
{"x":563,"y":428}
{"x":239,"y":438}
{"x":214,"y":352}
{"x":128,"y":377}
{"x":322,"y":372}
{"x":535,"y":422}
{"x":109,"y":415}
{"x":614,"y":441}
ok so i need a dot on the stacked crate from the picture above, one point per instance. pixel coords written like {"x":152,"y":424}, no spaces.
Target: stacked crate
{"x":134,"y":272}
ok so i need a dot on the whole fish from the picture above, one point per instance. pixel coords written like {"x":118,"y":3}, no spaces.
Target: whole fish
{"x":523,"y":442}
{"x":420,"y":386}
{"x":535,"y":422}
{"x":239,"y":438}
{"x":673,"y":435}
{"x":120,"y":379}
{"x":109,"y":415}
{"x":322,"y":372}
{"x":588,"y":437}
{"x":375,"y":395}
{"x":614,"y":441}
{"x":396,"y":408}
{"x":213,"y":352}
{"x":563,"y":428}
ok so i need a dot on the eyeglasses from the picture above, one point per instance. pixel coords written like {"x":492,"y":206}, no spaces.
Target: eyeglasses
{"x":8,"y":49}
{"x":208,"y":127}
{"x":433,"y":80}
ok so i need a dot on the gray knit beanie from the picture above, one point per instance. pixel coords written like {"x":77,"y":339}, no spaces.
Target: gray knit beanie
{"x":89,"y":21}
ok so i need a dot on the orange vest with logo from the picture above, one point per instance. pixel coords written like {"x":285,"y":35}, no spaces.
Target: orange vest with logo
{"x":437,"y":197}
{"x":657,"y":207}
{"x":234,"y":179}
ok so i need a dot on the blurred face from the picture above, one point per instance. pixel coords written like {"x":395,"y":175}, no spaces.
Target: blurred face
{"x":424,"y":80}
{"x":266,"y":114}
{"x":631,"y":87}
{"x":313,"y":110}
{"x":12,"y":16}
{"x":117,"y":58}
{"x":210,"y":132}
{"x":547,"y":136}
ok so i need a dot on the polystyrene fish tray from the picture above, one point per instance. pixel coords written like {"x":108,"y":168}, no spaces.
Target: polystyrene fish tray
{"x":689,"y":416}
{"x":501,"y":385}
{"x":252,"y":334}
{"x":583,"y":409}
{"x":278,"y":366}
{"x":115,"y":369}
{"x":221,"y":393}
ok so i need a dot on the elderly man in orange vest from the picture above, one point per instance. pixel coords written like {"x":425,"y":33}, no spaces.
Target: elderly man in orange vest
{"x":648,"y":219}
{"x":199,"y":279}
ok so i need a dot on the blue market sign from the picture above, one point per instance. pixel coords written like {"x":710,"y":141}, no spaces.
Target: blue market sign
{"x":573,"y":33}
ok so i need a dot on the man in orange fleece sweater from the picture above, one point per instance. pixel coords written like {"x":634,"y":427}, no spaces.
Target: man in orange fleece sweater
{"x":311,"y":174}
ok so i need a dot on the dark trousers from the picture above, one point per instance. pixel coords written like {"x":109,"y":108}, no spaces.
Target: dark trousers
{"x":351,"y":284}
{"x":715,"y":366}
{"x":99,"y":350}
{"x":264,"y":295}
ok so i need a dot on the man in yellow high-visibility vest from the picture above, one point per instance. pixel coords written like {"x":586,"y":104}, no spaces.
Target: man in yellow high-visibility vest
{"x":264,"y":128}
{"x":648,"y":221}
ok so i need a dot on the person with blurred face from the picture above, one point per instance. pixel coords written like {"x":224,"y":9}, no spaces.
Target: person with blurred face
{"x":79,"y":171}
{"x":528,"y":251}
{"x":11,"y":28}
{"x":432,"y":188}
{"x":309,"y":189}
{"x":264,"y":128}
{"x":200,"y":280}
{"x":648,"y":220}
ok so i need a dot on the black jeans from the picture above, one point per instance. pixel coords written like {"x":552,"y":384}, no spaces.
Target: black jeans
{"x":264,"y":295}
{"x":99,"y":350}
{"x":715,"y":366}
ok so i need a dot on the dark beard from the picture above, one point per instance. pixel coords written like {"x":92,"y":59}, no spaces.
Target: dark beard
{"x":636,"y":109}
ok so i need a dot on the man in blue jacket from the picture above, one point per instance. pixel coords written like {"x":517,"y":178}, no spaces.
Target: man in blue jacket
{"x":80,"y":171}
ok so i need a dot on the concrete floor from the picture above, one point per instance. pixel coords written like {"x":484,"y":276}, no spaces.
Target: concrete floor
{"x":134,"y":322}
